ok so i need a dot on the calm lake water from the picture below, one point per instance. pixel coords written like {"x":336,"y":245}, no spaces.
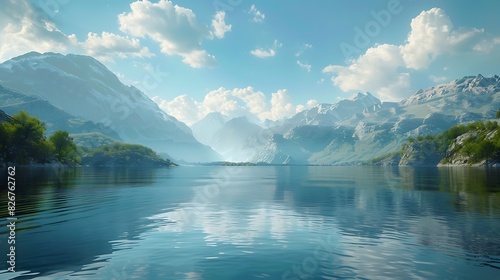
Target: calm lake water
{"x":255,"y":223}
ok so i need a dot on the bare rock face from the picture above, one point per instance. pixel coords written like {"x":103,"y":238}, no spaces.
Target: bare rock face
{"x":420,"y":154}
{"x":457,"y":157}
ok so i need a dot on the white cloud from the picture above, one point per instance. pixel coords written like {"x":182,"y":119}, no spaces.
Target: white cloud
{"x":310,"y":103}
{"x":270,"y":52}
{"x":375,"y":71}
{"x":233,"y":103}
{"x":108,"y":46}
{"x":258,"y":17}
{"x":437,"y":79}
{"x":385,"y":69}
{"x":199,"y":59}
{"x":182,"y":107}
{"x":175,"y":28}
{"x":254,"y":101}
{"x":303,"y":49}
{"x":219,"y":25}
{"x":280,"y":106}
{"x":431,"y":35}
{"x":24,"y":29}
{"x":487,"y":45}
{"x":262,"y":53}
{"x":304,"y":66}
{"x":221,"y":100}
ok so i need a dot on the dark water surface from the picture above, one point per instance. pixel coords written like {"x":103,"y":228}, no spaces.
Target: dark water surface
{"x":254,"y":223}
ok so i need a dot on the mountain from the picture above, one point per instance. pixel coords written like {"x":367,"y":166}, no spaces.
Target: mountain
{"x":280,"y":150}
{"x":462,"y":92}
{"x":324,"y":114}
{"x":238,"y":139}
{"x":84,"y":87}
{"x":92,"y":140}
{"x":467,"y":99}
{"x":362,"y":128}
{"x":4,"y":116}
{"x":204,"y":129}
{"x":54,"y":118}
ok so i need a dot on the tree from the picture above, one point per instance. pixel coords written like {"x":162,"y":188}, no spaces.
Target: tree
{"x":4,"y":143}
{"x":485,"y":149}
{"x":25,"y":136}
{"x":122,"y":154}
{"x":468,"y":148}
{"x":44,"y":151}
{"x":498,"y":114}
{"x":64,"y":147}
{"x":22,"y":140}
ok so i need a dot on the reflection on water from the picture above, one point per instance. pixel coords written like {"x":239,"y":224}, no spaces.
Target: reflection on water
{"x":256,"y":223}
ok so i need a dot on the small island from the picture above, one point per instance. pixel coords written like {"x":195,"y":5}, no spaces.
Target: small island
{"x":122,"y":154}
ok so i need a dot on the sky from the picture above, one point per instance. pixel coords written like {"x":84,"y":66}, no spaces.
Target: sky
{"x":263,"y":59}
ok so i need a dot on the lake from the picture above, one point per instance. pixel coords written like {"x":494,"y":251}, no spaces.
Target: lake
{"x":254,"y":222}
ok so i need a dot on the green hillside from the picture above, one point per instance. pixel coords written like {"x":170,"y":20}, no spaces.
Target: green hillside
{"x":121,"y":154}
{"x":477,"y":143}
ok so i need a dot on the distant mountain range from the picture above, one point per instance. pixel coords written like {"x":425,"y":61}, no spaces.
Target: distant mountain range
{"x":330,"y":114}
{"x":60,"y":88}
{"x":362,"y":127}
{"x":79,"y":94}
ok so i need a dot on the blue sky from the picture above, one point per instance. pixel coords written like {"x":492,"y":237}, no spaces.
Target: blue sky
{"x":264,"y":59}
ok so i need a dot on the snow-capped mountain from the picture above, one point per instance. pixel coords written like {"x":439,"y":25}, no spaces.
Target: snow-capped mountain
{"x":356,"y":129}
{"x":361,"y":128}
{"x":85,"y":88}
{"x":331,"y":114}
{"x":460,"y":98}
{"x":464,"y":89}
